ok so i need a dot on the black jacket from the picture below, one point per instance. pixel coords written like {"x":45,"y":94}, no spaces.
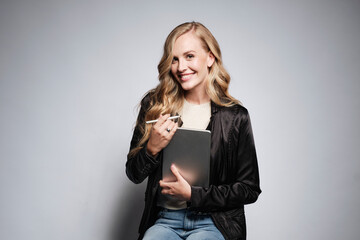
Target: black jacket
{"x":234,"y":175}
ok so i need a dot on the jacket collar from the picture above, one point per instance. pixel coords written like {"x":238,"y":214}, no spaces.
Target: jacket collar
{"x":214,"y":108}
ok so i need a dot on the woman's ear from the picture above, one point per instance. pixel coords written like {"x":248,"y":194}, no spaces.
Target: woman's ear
{"x":211,"y":59}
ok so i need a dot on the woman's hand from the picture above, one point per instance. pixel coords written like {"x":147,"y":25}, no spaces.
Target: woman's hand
{"x":161,"y":134}
{"x":179,"y":189}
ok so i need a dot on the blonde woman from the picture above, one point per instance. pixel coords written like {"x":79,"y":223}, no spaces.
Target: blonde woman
{"x":194,"y":83}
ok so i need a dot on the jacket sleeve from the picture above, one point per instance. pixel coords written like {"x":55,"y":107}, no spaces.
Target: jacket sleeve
{"x":242,"y":186}
{"x":140,"y":165}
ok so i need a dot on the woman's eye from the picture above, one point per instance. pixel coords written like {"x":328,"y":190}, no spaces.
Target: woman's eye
{"x":175,"y":59}
{"x":189,"y":56}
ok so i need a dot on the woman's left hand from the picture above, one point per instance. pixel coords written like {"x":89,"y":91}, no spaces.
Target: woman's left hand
{"x":180,"y":189}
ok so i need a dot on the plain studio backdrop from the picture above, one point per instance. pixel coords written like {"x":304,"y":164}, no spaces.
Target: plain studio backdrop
{"x":73,"y":72}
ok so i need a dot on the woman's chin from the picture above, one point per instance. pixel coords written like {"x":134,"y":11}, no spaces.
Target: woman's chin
{"x":186,"y":87}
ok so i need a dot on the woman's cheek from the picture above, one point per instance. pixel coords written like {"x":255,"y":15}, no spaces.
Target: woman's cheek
{"x":173,"y":71}
{"x":194,"y":64}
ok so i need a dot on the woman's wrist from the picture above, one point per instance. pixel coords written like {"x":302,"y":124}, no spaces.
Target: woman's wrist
{"x":150,"y":150}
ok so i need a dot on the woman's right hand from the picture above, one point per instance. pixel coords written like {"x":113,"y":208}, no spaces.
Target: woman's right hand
{"x":159,"y":135}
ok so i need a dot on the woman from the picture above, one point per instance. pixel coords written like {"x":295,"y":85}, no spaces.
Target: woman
{"x":194,"y":84}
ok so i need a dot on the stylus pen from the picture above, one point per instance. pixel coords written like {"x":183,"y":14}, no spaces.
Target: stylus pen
{"x":154,"y":121}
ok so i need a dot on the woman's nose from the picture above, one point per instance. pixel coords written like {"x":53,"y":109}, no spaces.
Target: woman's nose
{"x":182,"y":65}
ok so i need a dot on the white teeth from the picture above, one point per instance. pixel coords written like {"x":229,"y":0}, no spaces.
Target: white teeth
{"x":185,"y":77}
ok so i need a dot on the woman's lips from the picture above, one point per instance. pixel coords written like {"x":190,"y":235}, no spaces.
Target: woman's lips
{"x":185,"y":77}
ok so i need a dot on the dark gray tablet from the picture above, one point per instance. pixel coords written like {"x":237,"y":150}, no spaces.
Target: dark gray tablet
{"x":189,"y":150}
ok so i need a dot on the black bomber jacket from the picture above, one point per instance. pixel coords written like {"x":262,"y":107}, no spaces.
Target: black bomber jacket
{"x":234,"y":174}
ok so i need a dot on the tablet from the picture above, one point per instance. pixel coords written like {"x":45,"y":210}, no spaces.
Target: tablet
{"x":189,"y":150}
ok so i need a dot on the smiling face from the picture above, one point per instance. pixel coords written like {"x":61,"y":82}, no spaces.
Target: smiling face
{"x":191,"y":63}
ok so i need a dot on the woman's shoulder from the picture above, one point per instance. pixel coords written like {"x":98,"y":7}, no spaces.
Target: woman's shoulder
{"x":237,"y":114}
{"x":146,"y":99}
{"x":237,"y":109}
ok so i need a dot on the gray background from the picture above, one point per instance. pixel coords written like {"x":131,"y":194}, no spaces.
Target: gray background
{"x":72,"y":73}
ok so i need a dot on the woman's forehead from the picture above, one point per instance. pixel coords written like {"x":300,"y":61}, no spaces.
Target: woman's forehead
{"x":187,"y":42}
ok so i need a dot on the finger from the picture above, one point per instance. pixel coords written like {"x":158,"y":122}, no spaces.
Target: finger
{"x":172,"y":125}
{"x":166,"y":192}
{"x":165,"y":189}
{"x":165,"y":184}
{"x":173,"y":130}
{"x":161,"y":120}
{"x":158,"y":124}
{"x":165,"y":125}
{"x":162,"y":183}
{"x":176,"y":172}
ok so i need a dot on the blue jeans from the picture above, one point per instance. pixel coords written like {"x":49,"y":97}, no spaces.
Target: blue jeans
{"x":183,"y":224}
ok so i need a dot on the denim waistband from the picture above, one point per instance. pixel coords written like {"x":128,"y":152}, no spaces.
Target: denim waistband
{"x":185,"y":211}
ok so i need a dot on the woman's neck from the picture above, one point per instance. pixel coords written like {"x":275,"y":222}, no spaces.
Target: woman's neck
{"x":197,"y":98}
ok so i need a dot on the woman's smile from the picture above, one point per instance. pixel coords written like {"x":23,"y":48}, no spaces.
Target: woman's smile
{"x":185,"y":76}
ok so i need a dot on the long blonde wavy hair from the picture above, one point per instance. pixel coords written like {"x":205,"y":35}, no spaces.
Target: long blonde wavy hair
{"x":168,"y":96}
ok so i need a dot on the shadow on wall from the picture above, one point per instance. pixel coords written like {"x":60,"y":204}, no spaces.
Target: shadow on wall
{"x":128,"y":213}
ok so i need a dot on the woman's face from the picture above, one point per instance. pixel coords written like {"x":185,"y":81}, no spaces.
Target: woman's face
{"x":191,"y":62}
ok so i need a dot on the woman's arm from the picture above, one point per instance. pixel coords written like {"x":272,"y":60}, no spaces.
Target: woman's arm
{"x":140,"y":165}
{"x":244,"y":188}
{"x":147,"y":159}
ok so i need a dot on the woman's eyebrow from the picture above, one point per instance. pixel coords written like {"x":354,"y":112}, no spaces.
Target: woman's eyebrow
{"x":190,"y":51}
{"x":187,"y":52}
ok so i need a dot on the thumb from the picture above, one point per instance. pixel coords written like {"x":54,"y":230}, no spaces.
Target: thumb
{"x":176,"y":172}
